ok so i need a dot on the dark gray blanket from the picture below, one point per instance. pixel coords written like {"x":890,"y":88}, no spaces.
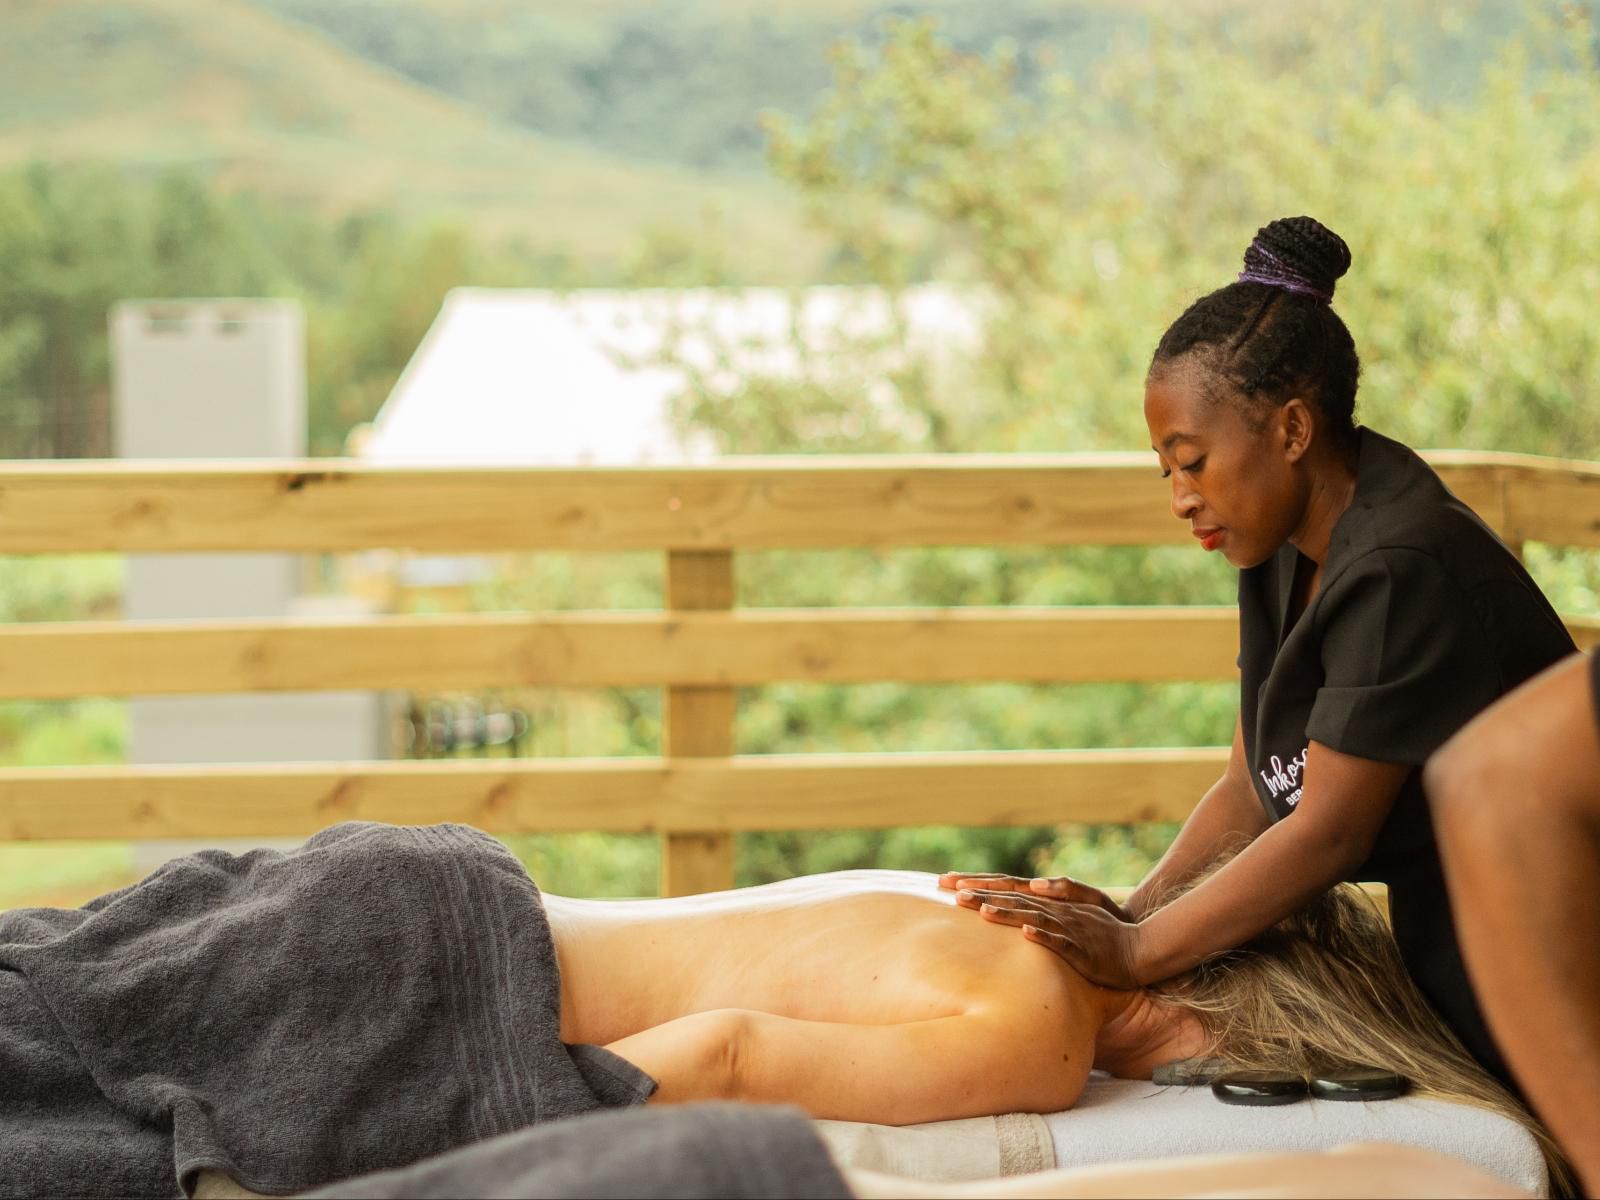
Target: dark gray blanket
{"x":379,"y":996}
{"x":710,"y":1151}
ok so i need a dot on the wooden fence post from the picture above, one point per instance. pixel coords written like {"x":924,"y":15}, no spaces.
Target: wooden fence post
{"x":699,"y":724}
{"x":1509,"y":526}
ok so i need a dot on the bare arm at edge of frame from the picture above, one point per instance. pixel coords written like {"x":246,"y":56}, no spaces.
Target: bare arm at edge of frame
{"x":1516,"y":805}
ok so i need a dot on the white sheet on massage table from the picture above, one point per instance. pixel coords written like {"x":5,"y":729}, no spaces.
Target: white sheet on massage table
{"x":1119,"y":1119}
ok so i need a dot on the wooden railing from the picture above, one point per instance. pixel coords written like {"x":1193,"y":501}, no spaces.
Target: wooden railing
{"x":699,"y":649}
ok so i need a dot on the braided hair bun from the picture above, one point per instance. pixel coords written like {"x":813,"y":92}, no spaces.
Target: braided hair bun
{"x":1299,"y":254}
{"x":1273,"y":335}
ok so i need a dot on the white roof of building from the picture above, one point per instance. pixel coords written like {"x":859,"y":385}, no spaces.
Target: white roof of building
{"x":588,"y":377}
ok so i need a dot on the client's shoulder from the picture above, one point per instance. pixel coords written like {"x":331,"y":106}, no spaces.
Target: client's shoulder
{"x":1028,"y":980}
{"x":1045,"y":1017}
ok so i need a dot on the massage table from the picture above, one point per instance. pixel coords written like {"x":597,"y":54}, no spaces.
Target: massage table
{"x":1119,"y":1120}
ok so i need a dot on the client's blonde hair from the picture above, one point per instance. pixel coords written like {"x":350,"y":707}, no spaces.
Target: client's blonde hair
{"x":1325,"y":989}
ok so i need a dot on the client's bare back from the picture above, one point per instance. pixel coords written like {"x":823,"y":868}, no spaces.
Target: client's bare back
{"x":863,"y":972}
{"x":864,"y":947}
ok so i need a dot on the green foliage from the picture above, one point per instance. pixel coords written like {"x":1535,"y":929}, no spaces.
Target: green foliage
{"x":980,"y":575}
{"x":382,"y":282}
{"x":1090,"y":212}
{"x":60,"y":588}
{"x":57,"y":733}
{"x":592,"y":864}
{"x":676,"y":81}
{"x":72,"y":244}
{"x":1084,"y":214}
{"x":253,"y":101}
{"x":1570,"y":577}
{"x":1084,"y":180}
{"x":764,"y":857}
{"x":62,"y":733}
{"x":29,"y":871}
{"x":1108,"y":855}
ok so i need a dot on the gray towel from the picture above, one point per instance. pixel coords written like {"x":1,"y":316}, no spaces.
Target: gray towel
{"x":378,"y":996}
{"x":716,"y":1151}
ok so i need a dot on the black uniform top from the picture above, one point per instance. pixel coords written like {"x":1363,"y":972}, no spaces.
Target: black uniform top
{"x":1422,"y":618}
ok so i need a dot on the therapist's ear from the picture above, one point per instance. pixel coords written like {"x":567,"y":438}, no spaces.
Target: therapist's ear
{"x":1297,"y":425}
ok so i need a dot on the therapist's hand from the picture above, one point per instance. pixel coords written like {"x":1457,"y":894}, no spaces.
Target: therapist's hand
{"x":1102,"y":948}
{"x":1060,"y":888}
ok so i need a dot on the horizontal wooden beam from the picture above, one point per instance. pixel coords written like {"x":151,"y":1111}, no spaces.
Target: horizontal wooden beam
{"x":1557,"y":503}
{"x":341,"y":505}
{"x":1585,"y":631}
{"x":818,"y":502}
{"x":688,"y":649}
{"x":745,"y":648}
{"x":787,"y":792}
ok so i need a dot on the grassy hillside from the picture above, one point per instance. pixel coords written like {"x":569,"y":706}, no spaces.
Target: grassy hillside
{"x":265,"y":103}
{"x":682,"y":81}
{"x":672,"y":81}
{"x":574,"y":127}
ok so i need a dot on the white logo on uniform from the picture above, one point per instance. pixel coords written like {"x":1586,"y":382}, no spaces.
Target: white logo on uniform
{"x":1286,"y":777}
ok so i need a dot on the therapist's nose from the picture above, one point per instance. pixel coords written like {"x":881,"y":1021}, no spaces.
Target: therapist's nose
{"x":1185,"y":501}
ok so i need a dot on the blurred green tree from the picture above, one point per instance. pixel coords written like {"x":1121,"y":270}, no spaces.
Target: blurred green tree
{"x":74,"y":242}
{"x":1082,"y":215}
{"x":1087,"y":213}
{"x":1081,"y":207}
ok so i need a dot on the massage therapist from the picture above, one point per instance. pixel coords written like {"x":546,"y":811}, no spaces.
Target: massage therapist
{"x":1377,"y":614}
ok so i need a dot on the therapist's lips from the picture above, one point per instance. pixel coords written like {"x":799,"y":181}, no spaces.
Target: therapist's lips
{"x":1209,"y":538}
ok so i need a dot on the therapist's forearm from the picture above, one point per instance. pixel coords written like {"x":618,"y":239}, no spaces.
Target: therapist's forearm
{"x":1227,"y":817}
{"x":1280,"y":872}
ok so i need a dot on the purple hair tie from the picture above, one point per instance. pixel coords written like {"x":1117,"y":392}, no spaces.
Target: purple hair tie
{"x":1271,"y":270}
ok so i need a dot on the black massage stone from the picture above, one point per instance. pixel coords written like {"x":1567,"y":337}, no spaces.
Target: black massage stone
{"x":1259,"y":1088}
{"x":1358,"y":1083}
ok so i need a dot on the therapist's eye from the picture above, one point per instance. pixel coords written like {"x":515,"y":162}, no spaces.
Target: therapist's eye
{"x":1191,"y":468}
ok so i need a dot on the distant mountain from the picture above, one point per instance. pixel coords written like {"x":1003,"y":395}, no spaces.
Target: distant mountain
{"x":682,"y":81}
{"x":672,"y":81}
{"x":573,"y":125}
{"x":260,"y":101}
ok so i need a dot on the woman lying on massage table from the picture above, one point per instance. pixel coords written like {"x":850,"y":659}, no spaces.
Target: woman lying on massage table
{"x":869,"y":996}
{"x":865,"y":995}
{"x":387,"y":993}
